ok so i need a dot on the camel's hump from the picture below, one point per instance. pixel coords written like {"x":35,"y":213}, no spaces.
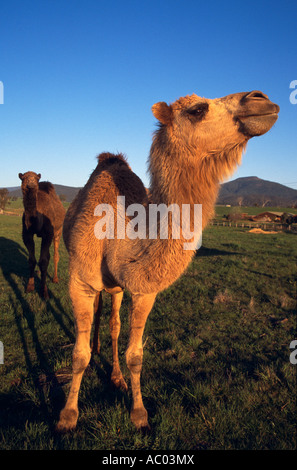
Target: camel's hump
{"x":111,"y":158}
{"x":46,"y":186}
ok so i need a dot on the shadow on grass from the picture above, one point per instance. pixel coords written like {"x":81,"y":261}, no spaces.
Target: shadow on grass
{"x":43,"y":402}
{"x":14,"y":265}
{"x":204,"y":252}
{"x":111,"y":394}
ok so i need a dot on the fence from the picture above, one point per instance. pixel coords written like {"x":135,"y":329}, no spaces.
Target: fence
{"x":264,"y":226}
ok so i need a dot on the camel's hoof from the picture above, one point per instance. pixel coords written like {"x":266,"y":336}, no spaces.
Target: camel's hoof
{"x":119,"y":382}
{"x":30,"y":287}
{"x":139,"y":418}
{"x":45,"y":295}
{"x":55,"y":280}
{"x":67,"y":421}
{"x":95,"y":348}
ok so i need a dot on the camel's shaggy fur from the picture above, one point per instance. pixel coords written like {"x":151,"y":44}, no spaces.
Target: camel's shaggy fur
{"x":197,"y":144}
{"x":43,"y":216}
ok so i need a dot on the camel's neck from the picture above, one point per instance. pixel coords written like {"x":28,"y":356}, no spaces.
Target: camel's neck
{"x":30,"y":202}
{"x":183,"y":176}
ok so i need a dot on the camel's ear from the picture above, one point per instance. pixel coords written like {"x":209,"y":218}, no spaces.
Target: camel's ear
{"x":21,"y":176}
{"x":163,"y":112}
{"x":39,"y":176}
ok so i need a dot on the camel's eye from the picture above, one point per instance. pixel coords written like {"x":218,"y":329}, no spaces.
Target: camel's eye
{"x":197,"y":112}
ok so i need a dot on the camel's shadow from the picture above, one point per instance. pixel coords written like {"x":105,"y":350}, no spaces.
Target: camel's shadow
{"x":205,"y":252}
{"x":14,"y":265}
{"x":13,"y":258}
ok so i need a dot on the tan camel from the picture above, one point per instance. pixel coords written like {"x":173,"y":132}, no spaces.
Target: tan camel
{"x":44,"y":216}
{"x":197,"y":144}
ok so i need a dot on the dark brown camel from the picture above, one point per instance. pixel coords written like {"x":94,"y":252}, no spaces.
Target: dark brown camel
{"x":43,"y":216}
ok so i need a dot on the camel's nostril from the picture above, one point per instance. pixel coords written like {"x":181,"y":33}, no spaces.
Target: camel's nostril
{"x":256,"y":94}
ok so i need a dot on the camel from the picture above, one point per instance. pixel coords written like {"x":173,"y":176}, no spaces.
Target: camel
{"x":198,"y":143}
{"x":44,"y":216}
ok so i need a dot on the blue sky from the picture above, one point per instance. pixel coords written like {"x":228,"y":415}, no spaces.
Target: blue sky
{"x":80,"y":78}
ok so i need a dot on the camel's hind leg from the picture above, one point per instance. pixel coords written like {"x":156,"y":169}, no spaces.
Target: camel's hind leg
{"x":115,"y":326}
{"x":141,"y":307}
{"x":83,"y":308}
{"x":97,"y":314}
{"x":57,"y":238}
{"x":44,"y":261}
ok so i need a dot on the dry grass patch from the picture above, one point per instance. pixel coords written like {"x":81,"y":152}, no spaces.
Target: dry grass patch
{"x":223,"y":297}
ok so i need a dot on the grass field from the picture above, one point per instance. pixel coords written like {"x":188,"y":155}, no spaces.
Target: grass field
{"x":216,"y":371}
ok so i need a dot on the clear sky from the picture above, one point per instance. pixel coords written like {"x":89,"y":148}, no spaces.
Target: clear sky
{"x":80,"y":77}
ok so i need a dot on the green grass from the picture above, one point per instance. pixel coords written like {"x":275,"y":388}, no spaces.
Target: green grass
{"x":216,"y":371}
{"x":16,"y":206}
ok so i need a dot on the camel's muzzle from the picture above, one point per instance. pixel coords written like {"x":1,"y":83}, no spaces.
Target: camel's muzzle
{"x":255,"y":113}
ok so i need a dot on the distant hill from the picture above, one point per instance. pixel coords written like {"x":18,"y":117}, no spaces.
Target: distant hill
{"x":242,"y":191}
{"x":251,"y":190}
{"x":68,"y":191}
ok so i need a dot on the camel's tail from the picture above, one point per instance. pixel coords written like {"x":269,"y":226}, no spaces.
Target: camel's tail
{"x":97,"y":314}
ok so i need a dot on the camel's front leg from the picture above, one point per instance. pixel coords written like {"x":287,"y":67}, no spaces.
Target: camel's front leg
{"x":141,"y":307}
{"x":83,"y":309}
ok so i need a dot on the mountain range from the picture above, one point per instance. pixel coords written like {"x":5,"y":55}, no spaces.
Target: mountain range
{"x":69,"y":192}
{"x":246,"y":191}
{"x":250,"y":191}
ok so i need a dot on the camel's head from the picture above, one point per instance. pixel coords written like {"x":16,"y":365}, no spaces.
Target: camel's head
{"x":30,"y":181}
{"x":214,"y":125}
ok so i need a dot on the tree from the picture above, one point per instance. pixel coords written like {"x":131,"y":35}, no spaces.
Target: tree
{"x":264,"y":201}
{"x":288,"y":219}
{"x":240,"y":200}
{"x":3,"y":197}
